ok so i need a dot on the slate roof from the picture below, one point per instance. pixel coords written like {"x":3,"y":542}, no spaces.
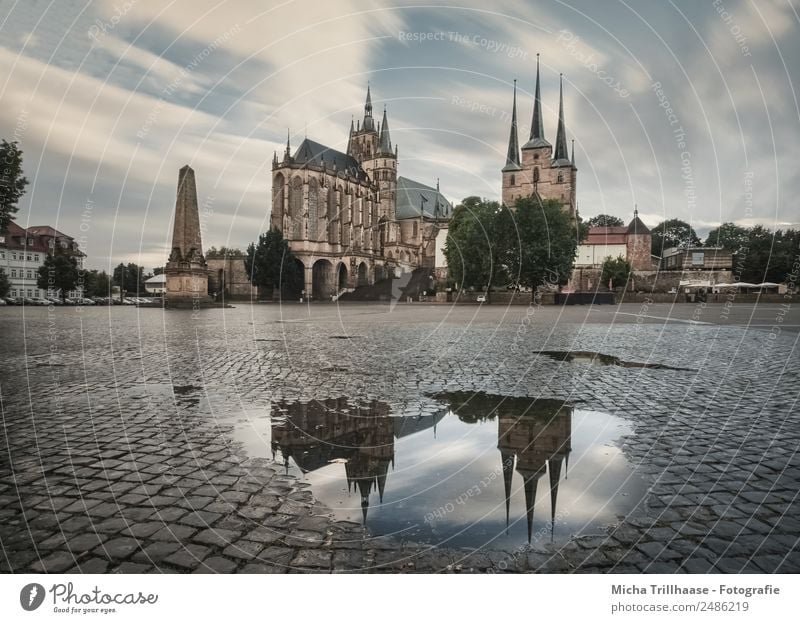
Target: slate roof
{"x":311,"y":152}
{"x":637,"y":227}
{"x":410,"y":196}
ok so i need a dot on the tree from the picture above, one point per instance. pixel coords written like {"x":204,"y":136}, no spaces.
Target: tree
{"x":479,"y":239}
{"x":728,"y":236}
{"x":546,"y":244}
{"x":270,"y":263}
{"x":5,"y":284}
{"x":59,"y":274}
{"x":617,"y":271}
{"x":605,"y":220}
{"x":672,"y":233}
{"x":158,"y":270}
{"x":97,"y":283}
{"x":12,"y":182}
{"x":767,"y":256}
{"x":129,"y":278}
{"x":224,"y":252}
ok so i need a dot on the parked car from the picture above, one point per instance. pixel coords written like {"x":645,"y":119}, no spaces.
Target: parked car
{"x":481,"y":298}
{"x":54,"y":301}
{"x":86,"y":302}
{"x":10,"y":300}
{"x":3,"y":302}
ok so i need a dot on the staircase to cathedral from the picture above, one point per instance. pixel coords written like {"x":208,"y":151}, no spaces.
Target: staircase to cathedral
{"x":408,"y":284}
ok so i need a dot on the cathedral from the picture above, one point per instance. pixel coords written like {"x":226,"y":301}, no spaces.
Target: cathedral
{"x":349,"y":219}
{"x":541,"y":169}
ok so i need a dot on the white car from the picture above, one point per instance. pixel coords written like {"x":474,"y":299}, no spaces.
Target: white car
{"x":481,"y":298}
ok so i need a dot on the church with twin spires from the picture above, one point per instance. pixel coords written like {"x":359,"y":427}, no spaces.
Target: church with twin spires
{"x":539,"y":168}
{"x":349,"y":219}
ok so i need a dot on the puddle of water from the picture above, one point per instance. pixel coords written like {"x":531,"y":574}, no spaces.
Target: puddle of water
{"x":483,"y":471}
{"x":585,"y":356}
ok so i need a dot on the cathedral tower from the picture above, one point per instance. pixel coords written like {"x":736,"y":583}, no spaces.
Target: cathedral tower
{"x":541,"y":170}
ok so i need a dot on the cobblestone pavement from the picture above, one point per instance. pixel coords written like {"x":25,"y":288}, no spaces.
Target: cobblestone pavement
{"x":117,"y":453}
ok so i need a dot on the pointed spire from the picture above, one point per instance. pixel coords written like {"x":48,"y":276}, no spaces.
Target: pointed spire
{"x":288,"y":146}
{"x":350,"y":138}
{"x":561,"y":134}
{"x":369,"y":122}
{"x":512,"y":158}
{"x":386,"y":141}
{"x":537,"y":123}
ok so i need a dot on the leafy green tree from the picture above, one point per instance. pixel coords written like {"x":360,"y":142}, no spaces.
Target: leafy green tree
{"x":478,"y":249}
{"x":12,"y":182}
{"x":545,"y":245}
{"x":158,"y":270}
{"x":672,"y":233}
{"x":129,"y":278}
{"x":605,"y":220}
{"x":59,"y":274}
{"x":767,"y":256}
{"x":617,"y":271}
{"x":97,"y":283}
{"x":270,"y":264}
{"x":5,"y":284}
{"x":224,"y":252}
{"x":728,"y":236}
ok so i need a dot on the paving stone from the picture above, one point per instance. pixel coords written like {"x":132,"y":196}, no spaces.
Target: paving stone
{"x":216,"y":536}
{"x":57,"y":562}
{"x":188,"y":557}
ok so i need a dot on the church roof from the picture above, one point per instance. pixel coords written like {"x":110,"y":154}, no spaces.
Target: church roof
{"x":414,"y":198}
{"x":607,"y":235}
{"x":311,"y":152}
{"x":636,"y":226}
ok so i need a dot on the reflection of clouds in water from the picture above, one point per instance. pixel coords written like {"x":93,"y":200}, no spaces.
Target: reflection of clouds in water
{"x":349,"y":456}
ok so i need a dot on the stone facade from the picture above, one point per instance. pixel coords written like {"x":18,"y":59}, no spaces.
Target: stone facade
{"x":186,"y":269}
{"x":541,"y":170}
{"x":349,"y":219}
{"x":227,"y":276}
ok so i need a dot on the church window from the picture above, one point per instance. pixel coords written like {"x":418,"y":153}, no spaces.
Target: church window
{"x":416,"y":230}
{"x":296,"y":207}
{"x":313,"y":209}
{"x":535,"y":175}
{"x":277,"y":194}
{"x":535,"y":156}
{"x":560,"y":177}
{"x":513,"y":180}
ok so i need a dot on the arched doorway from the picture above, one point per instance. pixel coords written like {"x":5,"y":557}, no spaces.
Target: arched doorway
{"x":322,"y":284}
{"x":341,"y":279}
{"x":362,"y":275}
{"x":292,"y":280}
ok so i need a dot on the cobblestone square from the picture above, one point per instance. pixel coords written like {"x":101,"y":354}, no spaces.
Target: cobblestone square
{"x":120,"y":452}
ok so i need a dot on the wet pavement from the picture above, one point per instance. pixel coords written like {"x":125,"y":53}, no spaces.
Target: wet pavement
{"x":246,"y":440}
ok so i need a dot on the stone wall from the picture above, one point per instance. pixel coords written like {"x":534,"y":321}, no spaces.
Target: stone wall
{"x":230,"y":273}
{"x":648,"y":280}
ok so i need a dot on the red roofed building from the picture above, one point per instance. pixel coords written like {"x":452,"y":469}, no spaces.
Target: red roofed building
{"x":631,"y":242}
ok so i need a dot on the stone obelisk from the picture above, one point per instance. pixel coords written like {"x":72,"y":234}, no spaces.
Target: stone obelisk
{"x":186,"y":269}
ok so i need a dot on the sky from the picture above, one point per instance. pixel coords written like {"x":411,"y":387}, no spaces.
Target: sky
{"x":686,"y":109}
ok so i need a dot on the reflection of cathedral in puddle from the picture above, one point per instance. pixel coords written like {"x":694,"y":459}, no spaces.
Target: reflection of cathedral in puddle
{"x":533,"y":437}
{"x":540,"y":442}
{"x":318,"y":433}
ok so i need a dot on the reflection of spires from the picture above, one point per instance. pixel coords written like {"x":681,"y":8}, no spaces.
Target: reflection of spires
{"x":531,"y":481}
{"x":554,"y":471}
{"x":508,"y":475}
{"x":381,"y":478}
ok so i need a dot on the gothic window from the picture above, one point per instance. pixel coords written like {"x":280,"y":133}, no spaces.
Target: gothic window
{"x":313,"y":209}
{"x":535,"y":175}
{"x":277,"y":194}
{"x":296,"y":207}
{"x":560,"y":177}
{"x":416,"y":230}
{"x":513,"y":180}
